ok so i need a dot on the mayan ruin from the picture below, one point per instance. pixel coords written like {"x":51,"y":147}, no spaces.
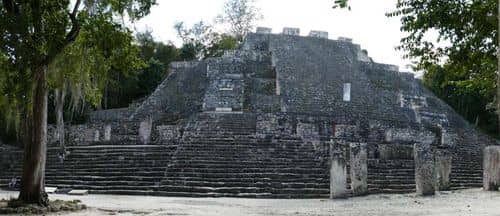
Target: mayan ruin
{"x":282,"y":116}
{"x":249,"y":107}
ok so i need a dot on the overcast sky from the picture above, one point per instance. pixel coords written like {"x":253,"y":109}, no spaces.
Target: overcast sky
{"x":366,"y":23}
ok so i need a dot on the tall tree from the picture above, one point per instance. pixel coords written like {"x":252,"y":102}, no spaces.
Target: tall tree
{"x":81,"y":72}
{"x":240,"y":16}
{"x":34,"y":33}
{"x":203,"y":41}
{"x":461,"y":63}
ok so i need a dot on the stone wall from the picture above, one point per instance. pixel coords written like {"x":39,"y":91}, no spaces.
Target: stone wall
{"x":110,"y":115}
{"x":179,"y":95}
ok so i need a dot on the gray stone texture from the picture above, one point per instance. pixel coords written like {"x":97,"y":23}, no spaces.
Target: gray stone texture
{"x":338,"y":171}
{"x":264,"y":30}
{"x":394,"y":151}
{"x":145,"y":129}
{"x":359,"y":168}
{"x":425,"y":171}
{"x":291,"y":31}
{"x":491,"y":176}
{"x":168,"y":132}
{"x":345,"y":39}
{"x":443,"y":160}
{"x":179,"y":95}
{"x":319,"y":34}
{"x":107,"y":132}
{"x":289,"y":89}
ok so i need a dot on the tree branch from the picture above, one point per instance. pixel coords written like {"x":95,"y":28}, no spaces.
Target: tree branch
{"x":11,"y":6}
{"x":70,"y":37}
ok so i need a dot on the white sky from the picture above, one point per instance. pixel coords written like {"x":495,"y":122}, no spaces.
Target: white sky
{"x":366,"y":23}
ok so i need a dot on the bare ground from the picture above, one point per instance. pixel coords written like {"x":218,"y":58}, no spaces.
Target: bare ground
{"x":463,"y":202}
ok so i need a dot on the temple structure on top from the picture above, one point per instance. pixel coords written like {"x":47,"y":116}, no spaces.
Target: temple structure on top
{"x":261,"y":120}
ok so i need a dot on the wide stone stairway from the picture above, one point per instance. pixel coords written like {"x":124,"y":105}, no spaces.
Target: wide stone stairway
{"x":220,"y":155}
{"x":210,"y":163}
{"x":391,"y":176}
{"x":128,"y":169}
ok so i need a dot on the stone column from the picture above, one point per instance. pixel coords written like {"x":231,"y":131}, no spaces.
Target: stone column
{"x":96,"y":135}
{"x":107,"y":132}
{"x":359,"y":168}
{"x":443,"y":169}
{"x":338,"y":171}
{"x":491,"y":171}
{"x":425,"y":176}
{"x":145,"y":128}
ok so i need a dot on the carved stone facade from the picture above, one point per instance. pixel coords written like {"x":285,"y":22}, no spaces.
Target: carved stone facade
{"x":284,"y":88}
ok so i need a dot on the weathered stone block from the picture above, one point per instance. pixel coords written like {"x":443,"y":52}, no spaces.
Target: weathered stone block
{"x":107,"y":132}
{"x":491,"y":171}
{"x":319,"y":34}
{"x":346,"y":39}
{"x":425,"y":176}
{"x":443,"y":170}
{"x":359,"y":168}
{"x":264,"y":30}
{"x":291,"y":31}
{"x":346,"y":131}
{"x":407,"y":135}
{"x":78,"y":192}
{"x":307,"y":131}
{"x":168,"y":132}
{"x":145,"y":128}
{"x":267,"y":124}
{"x":392,"y":151}
{"x":97,"y":135}
{"x":338,"y":171}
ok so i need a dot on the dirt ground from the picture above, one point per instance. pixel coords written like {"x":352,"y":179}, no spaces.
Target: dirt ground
{"x":465,"y":202}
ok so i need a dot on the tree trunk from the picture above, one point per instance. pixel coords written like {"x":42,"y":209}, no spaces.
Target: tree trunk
{"x":35,"y":148}
{"x":106,"y":97}
{"x":498,"y":78}
{"x":60,"y":95}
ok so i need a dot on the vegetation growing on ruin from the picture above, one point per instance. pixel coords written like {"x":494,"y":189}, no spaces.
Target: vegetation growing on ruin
{"x":455,"y":44}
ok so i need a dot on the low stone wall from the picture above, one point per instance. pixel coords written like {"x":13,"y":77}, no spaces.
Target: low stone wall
{"x":168,"y":133}
{"x":110,"y":115}
{"x":392,"y":151}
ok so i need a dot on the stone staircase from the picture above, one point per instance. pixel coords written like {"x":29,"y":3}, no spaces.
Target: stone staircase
{"x":98,"y":168}
{"x":221,"y":125}
{"x":222,"y":157}
{"x":391,"y":176}
{"x":466,"y":174}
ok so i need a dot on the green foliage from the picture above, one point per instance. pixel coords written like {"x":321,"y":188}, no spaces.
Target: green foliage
{"x":80,"y":41}
{"x":132,"y":87}
{"x":150,"y":77}
{"x":341,"y":4}
{"x":460,"y":64}
{"x":202,"y":41}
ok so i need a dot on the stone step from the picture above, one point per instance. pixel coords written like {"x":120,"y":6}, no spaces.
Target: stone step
{"x":194,"y":170}
{"x":302,"y":179}
{"x":187,"y":194}
{"x":246,"y":184}
{"x":390,"y":191}
{"x":408,"y":186}
{"x":236,"y":160}
{"x":283,"y":175}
